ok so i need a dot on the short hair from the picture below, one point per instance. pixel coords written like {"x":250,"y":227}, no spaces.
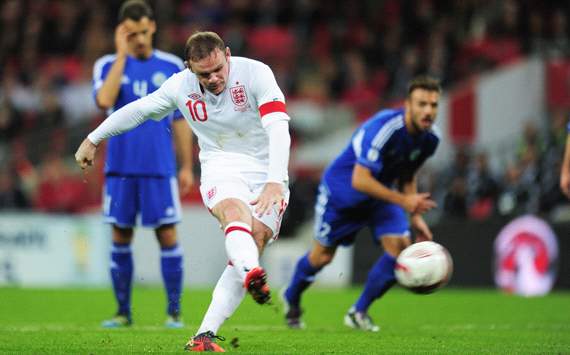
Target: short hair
{"x":424,"y":82}
{"x":135,"y":10}
{"x":201,"y":44}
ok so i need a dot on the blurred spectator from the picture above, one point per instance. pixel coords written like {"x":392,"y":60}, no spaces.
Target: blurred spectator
{"x":63,"y":27}
{"x":59,"y":191}
{"x":483,"y":188}
{"x":454,"y":181}
{"x":455,"y":202}
{"x":558,"y":43}
{"x":11,"y":195}
{"x":10,"y":121}
{"x":521,"y":193}
{"x":323,"y":53}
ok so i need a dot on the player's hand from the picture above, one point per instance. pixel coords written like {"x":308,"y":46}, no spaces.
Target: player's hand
{"x":565,"y":182}
{"x":271,"y":195}
{"x":418,"y":203}
{"x":122,"y":39}
{"x":85,"y":154}
{"x":420,"y":228}
{"x":185,"y":181}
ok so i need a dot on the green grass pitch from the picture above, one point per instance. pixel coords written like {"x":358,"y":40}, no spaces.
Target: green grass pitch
{"x":455,"y":321}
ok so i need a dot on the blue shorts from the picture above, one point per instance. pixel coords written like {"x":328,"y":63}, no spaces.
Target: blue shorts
{"x":156,"y":199}
{"x":335,"y":226}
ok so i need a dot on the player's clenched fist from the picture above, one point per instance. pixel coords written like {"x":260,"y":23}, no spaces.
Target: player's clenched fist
{"x":85,"y":154}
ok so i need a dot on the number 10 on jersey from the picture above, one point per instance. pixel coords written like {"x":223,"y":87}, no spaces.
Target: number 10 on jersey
{"x":197,"y":110}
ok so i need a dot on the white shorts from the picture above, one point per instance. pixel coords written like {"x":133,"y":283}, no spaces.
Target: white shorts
{"x":244,"y":187}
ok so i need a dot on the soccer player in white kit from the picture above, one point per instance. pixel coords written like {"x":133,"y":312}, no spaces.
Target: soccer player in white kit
{"x":238,"y":114}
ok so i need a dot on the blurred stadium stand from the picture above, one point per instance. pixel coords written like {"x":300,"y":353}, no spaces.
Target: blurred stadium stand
{"x":338,"y":62}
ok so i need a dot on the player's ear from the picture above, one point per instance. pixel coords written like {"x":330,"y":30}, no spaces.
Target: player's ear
{"x":228,"y":53}
{"x":187,"y":65}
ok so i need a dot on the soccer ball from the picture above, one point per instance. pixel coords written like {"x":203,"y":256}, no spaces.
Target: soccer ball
{"x":424,"y":267}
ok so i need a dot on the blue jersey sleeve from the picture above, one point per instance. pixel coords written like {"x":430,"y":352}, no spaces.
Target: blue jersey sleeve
{"x":100,"y":70}
{"x":177,"y":115}
{"x":367,"y":153}
{"x":568,"y":128}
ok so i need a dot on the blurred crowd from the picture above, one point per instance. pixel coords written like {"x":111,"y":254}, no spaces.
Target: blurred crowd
{"x":527,"y":182}
{"x":358,"y":54}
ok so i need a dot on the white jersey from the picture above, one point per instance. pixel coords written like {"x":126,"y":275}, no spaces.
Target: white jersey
{"x":229,"y":126}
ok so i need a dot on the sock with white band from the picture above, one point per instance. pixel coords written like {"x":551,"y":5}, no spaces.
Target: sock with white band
{"x":241,"y":248}
{"x":226,"y":298}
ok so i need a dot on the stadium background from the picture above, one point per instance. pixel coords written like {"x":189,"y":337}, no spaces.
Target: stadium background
{"x":505,"y":66}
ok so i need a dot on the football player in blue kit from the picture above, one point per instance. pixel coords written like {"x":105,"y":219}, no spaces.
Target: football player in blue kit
{"x":373,"y":183}
{"x":140,"y":169}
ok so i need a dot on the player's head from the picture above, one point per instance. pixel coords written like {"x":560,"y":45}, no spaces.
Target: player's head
{"x":422,"y":103}
{"x":207,"y":56}
{"x":138,"y":18}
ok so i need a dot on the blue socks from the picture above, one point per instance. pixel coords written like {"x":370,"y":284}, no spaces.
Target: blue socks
{"x":171,"y":263}
{"x":302,"y":278}
{"x":122,"y":276}
{"x":380,"y":278}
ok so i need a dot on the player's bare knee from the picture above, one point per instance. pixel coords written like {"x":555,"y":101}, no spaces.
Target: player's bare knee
{"x":122,"y":235}
{"x":231,"y":210}
{"x":319,"y":257}
{"x":166,"y":235}
{"x":393,"y":245}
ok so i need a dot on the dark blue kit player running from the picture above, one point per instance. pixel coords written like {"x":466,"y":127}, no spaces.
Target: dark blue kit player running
{"x":373,"y":183}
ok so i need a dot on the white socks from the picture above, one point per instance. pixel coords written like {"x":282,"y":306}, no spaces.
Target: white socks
{"x":229,"y":292}
{"x":241,"y":248}
{"x":226,"y":298}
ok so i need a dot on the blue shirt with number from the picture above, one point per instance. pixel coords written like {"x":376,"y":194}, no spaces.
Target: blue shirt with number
{"x":148,"y":149}
{"x":383,"y":145}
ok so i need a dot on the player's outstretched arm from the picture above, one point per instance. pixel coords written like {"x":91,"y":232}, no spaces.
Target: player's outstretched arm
{"x":154,"y":106}
{"x":565,"y":171}
{"x":364,"y":181}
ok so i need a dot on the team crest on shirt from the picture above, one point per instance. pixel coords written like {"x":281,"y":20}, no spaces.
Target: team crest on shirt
{"x":194,"y":96}
{"x":211,"y":193}
{"x":373,"y":154}
{"x":414,"y":154}
{"x":239,"y":97}
{"x":158,"y":78}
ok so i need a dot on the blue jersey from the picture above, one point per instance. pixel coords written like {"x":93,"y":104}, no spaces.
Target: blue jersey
{"x":383,"y":145}
{"x":148,"y":149}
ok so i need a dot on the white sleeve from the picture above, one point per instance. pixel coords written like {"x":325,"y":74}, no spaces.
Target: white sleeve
{"x":155,"y":106}
{"x":270,"y":98}
{"x":279,"y":144}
